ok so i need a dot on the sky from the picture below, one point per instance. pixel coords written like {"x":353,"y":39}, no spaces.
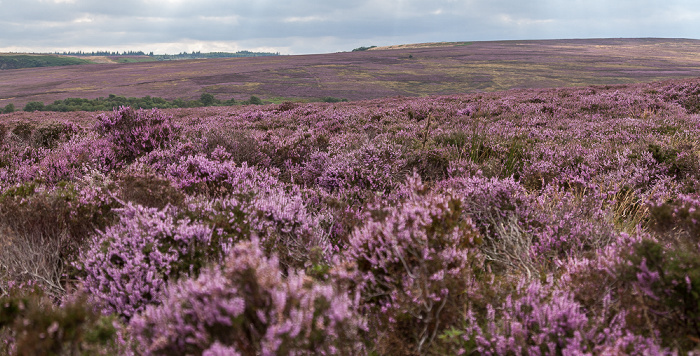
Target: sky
{"x":306,"y":26}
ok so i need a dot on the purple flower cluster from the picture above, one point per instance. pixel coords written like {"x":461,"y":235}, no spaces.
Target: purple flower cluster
{"x":135,"y":132}
{"x":412,"y":256}
{"x":248,"y":307}
{"x":129,"y":264}
{"x":543,"y":320}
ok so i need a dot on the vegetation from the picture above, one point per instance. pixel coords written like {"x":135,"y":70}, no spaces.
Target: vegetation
{"x":554,"y":221}
{"x":360,"y":49}
{"x":112,"y":101}
{"x":19,"y":61}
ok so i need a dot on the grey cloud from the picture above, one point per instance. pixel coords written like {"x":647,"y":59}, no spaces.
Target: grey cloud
{"x":308,"y":25}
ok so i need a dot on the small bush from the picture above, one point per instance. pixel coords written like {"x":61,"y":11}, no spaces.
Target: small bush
{"x":3,"y":133}
{"x":9,"y":108}
{"x":150,"y":191}
{"x":34,"y":106}
{"x":129,"y":264}
{"x":49,"y":136}
{"x":414,"y":260}
{"x":240,"y":145}
{"x":539,"y":319}
{"x":331,"y":99}
{"x":135,"y":132}
{"x":248,"y":308}
{"x":43,"y":231}
{"x":665,"y":292}
{"x":33,"y":325}
{"x":254,"y":100}
{"x":287,"y":106}
{"x":23,"y":130}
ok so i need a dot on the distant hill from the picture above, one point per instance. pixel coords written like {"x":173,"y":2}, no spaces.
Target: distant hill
{"x":405,"y":70}
{"x":18,"y":61}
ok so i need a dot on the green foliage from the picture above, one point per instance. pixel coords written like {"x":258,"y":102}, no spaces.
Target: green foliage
{"x":360,"y":49}
{"x":34,"y":106}
{"x":208,"y":99}
{"x":147,"y":102}
{"x":33,"y":325}
{"x":33,"y":61}
{"x":330,"y":99}
{"x":9,"y":108}
{"x":254,"y":100}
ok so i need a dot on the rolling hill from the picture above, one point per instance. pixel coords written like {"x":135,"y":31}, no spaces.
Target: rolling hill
{"x":407,"y":70}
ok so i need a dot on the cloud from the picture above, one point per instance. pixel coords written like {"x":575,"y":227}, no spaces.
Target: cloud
{"x":309,"y":26}
{"x":303,"y":19}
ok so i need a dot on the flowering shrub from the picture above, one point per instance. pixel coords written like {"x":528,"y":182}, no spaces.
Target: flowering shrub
{"x":129,"y":263}
{"x":279,"y":219}
{"x":30,"y":324}
{"x":414,"y":261}
{"x":663,"y":286}
{"x":540,"y":319}
{"x":247,"y":307}
{"x":135,"y":132}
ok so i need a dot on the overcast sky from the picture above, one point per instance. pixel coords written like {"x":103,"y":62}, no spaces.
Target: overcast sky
{"x":312,"y":26}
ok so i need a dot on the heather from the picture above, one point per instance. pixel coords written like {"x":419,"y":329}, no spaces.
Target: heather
{"x":550,"y":221}
{"x":419,"y":70}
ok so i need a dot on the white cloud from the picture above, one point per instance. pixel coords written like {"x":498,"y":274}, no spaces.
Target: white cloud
{"x":85,"y":18}
{"x":294,"y":19}
{"x":510,"y":20}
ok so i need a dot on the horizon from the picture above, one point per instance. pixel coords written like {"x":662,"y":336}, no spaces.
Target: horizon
{"x":152,"y":53}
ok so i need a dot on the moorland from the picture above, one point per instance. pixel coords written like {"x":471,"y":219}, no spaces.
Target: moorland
{"x":556,"y":221}
{"x":428,"y":69}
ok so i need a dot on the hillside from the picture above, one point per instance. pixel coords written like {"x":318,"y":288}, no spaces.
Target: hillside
{"x":417,"y":70}
{"x":18,"y":61}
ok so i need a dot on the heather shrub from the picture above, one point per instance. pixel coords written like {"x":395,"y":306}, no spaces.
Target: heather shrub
{"x":663,"y":291}
{"x":376,"y":167}
{"x":198,"y":174}
{"x":679,"y":216}
{"x":30,"y":324}
{"x":489,"y":200}
{"x":23,"y":131}
{"x":431,"y":165}
{"x":51,"y":135}
{"x":680,"y":162}
{"x":538,"y":318}
{"x":42,"y":231}
{"x":128,"y":264}
{"x":135,"y":132}
{"x":3,"y":133}
{"x":279,"y":219}
{"x":287,"y":106}
{"x":240,"y":145}
{"x":149,"y":190}
{"x":414,"y":261}
{"x":286,"y":148}
{"x":248,"y":307}
{"x":565,"y":224}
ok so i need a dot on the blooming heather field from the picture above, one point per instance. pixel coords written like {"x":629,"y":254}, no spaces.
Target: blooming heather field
{"x":443,"y":68}
{"x":541,"y":221}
